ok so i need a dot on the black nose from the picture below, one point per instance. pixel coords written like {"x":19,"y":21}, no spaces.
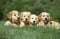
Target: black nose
{"x":26,"y":19}
{"x":45,"y":18}
{"x":18,"y":18}
{"x":33,"y":21}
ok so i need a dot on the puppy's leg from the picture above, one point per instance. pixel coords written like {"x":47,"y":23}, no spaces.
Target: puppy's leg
{"x":22,"y":24}
{"x":40,"y":24}
{"x":7,"y":23}
{"x":31,"y":25}
{"x":14,"y":25}
{"x":55,"y":24}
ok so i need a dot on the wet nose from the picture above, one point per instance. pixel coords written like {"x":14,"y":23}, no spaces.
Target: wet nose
{"x":26,"y":19}
{"x":18,"y":18}
{"x":45,"y":18}
{"x":33,"y":21}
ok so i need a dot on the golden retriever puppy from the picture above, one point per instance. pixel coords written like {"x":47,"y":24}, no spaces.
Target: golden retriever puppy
{"x":33,"y":20}
{"x":55,"y":24}
{"x":24,"y":18}
{"x":44,"y":19}
{"x":13,"y":18}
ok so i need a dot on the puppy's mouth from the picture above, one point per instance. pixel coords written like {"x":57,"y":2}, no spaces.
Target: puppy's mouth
{"x":17,"y":20}
{"x":45,"y":20}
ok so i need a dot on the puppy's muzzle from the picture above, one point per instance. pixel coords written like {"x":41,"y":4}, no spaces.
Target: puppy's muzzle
{"x":46,"y":19}
{"x":18,"y":18}
{"x":26,"y":19}
{"x":33,"y":21}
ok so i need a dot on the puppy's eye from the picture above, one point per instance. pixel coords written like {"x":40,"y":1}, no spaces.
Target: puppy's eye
{"x":36,"y":18}
{"x":47,"y":16}
{"x":14,"y":14}
{"x":28,"y":16}
{"x":43,"y":15}
{"x":24,"y":16}
{"x":32,"y":18}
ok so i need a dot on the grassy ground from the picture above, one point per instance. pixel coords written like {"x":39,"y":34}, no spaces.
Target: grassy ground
{"x":9,"y":32}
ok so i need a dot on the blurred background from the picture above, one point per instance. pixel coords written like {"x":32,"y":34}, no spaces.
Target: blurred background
{"x":34,"y":6}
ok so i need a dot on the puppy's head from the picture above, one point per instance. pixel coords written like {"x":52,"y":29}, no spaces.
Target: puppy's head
{"x":44,"y":16}
{"x":25,"y":16}
{"x":33,"y":19}
{"x":13,"y":15}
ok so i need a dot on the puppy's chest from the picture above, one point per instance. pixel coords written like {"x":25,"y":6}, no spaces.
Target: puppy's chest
{"x":17,"y":23}
{"x":26,"y":23}
{"x":42,"y":23}
{"x":34,"y":24}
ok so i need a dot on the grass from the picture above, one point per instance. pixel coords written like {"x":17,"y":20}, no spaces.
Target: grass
{"x":10,"y":32}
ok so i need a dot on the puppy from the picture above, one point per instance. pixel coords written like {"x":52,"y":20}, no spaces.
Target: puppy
{"x":13,"y":18}
{"x":55,"y":24}
{"x":24,"y":18}
{"x":44,"y":19}
{"x":33,"y":20}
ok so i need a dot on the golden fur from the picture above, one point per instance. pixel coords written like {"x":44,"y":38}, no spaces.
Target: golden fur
{"x":13,"y":18}
{"x":24,"y":18}
{"x":55,"y":24}
{"x":33,"y":20}
{"x":44,"y":18}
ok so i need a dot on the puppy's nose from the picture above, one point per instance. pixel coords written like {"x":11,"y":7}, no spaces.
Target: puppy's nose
{"x":33,"y":21}
{"x":26,"y":19}
{"x":45,"y":18}
{"x":18,"y":18}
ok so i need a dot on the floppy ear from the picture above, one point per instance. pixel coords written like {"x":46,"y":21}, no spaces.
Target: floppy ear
{"x":9,"y":15}
{"x":21,"y":15}
{"x":29,"y":21}
{"x":49,"y":18}
{"x":30,"y":14}
{"x":39,"y":17}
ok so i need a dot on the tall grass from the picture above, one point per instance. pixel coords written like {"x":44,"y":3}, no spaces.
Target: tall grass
{"x":10,"y":32}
